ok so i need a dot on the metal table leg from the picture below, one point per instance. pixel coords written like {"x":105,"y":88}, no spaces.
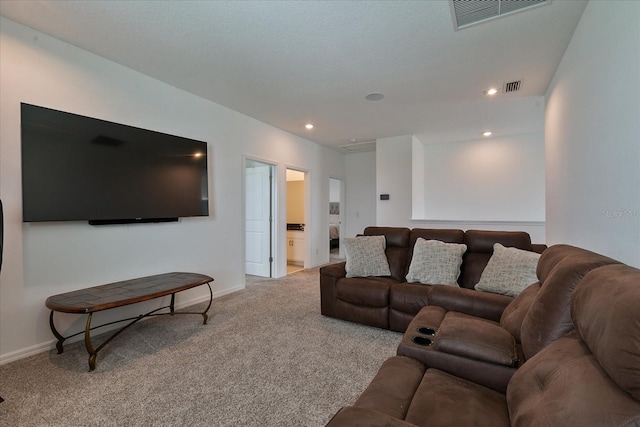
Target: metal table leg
{"x":56,"y":334}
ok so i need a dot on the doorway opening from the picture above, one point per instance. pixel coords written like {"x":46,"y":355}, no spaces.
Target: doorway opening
{"x":336,"y":210}
{"x":296,"y":234}
{"x":259,"y":218}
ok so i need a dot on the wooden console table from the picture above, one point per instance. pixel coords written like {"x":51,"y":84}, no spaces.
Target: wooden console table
{"x":98,"y":298}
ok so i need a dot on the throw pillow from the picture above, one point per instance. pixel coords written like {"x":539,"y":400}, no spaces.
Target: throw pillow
{"x":508,"y":271}
{"x":366,"y":257}
{"x":435,"y":262}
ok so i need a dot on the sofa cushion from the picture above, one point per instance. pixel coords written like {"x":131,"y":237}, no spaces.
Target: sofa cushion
{"x":564,"y":385}
{"x":480,"y":248}
{"x":443,"y":400}
{"x":441,"y":234}
{"x":435,"y":262}
{"x":366,"y":256}
{"x":508,"y":271}
{"x":476,"y":338}
{"x":605,"y":309}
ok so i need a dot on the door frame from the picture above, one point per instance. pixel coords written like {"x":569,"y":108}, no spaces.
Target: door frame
{"x":307,"y":214}
{"x":342,"y":215}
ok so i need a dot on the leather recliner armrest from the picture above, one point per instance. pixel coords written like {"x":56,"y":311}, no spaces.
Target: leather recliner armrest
{"x":336,"y":271}
{"x":329,"y":276}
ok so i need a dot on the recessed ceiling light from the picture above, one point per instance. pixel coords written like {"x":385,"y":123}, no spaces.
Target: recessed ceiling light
{"x":487,"y":133}
{"x":374,"y":96}
{"x":492,"y":91}
{"x":309,"y":126}
{"x":352,"y":140}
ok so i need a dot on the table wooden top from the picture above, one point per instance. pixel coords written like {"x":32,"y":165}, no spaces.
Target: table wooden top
{"x":127,"y":292}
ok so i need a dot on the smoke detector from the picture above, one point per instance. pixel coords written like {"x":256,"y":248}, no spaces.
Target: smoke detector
{"x":471,"y":12}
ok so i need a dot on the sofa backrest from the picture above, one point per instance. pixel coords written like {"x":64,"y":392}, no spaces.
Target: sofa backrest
{"x":480,"y":248}
{"x":605,"y":310}
{"x":549,"y":317}
{"x":401,"y":240}
{"x":540,"y":313}
{"x":591,"y":376}
{"x":397,"y":248}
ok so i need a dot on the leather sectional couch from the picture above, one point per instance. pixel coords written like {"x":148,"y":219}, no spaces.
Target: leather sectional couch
{"x":565,"y":351}
{"x":391,"y":302}
{"x":489,"y":352}
{"x":590,"y":376}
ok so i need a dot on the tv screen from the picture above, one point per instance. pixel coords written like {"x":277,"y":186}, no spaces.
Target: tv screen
{"x":80,"y":168}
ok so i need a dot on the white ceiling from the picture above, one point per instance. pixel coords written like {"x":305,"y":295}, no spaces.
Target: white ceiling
{"x":287,"y":63}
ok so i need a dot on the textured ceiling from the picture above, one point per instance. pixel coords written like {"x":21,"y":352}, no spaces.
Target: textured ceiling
{"x":289,"y":63}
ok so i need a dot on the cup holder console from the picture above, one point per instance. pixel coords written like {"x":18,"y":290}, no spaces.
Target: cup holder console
{"x":421,"y":340}
{"x":424,"y":330}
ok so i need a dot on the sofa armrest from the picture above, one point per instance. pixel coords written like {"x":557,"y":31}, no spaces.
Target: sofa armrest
{"x":469,"y":301}
{"x":336,"y":271}
{"x":353,"y":416}
{"x":329,"y":276}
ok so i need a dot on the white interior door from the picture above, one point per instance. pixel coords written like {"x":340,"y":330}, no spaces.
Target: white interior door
{"x":258,"y":207}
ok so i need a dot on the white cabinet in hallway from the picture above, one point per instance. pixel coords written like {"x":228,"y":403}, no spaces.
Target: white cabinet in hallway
{"x":295,"y":247}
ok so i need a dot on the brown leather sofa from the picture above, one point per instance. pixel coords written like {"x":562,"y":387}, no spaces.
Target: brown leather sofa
{"x":488,"y":352}
{"x":391,"y":302}
{"x":587,"y":377}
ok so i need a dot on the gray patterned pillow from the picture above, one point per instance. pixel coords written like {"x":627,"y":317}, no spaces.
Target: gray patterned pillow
{"x":435,"y":262}
{"x":366,"y":257}
{"x":508,"y":271}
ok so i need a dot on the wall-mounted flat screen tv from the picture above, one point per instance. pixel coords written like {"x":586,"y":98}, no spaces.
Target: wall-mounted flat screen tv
{"x":77,"y":168}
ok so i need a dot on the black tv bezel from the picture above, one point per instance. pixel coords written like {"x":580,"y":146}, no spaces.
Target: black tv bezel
{"x":124,"y":220}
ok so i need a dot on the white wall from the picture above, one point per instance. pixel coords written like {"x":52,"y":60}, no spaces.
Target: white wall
{"x":45,"y":259}
{"x":360,"y":189}
{"x":490,"y":179}
{"x":418,"y":182}
{"x":394,"y":176}
{"x":593,"y":135}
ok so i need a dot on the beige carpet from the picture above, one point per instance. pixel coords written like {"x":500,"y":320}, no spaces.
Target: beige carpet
{"x":266,"y":358}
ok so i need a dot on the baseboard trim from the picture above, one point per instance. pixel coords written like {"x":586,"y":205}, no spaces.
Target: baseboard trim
{"x":51,"y":344}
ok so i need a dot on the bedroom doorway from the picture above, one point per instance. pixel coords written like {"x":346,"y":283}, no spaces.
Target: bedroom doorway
{"x":336,"y":212}
{"x":296,"y":233}
{"x":259,"y":214}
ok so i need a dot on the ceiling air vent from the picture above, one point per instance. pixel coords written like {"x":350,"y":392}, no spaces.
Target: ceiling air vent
{"x":510,"y":87}
{"x":359,"y":146}
{"x":470,"y":12}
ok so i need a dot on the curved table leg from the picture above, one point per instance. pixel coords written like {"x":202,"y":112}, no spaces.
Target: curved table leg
{"x":87,"y":342}
{"x":204,"y":313}
{"x":56,"y":334}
